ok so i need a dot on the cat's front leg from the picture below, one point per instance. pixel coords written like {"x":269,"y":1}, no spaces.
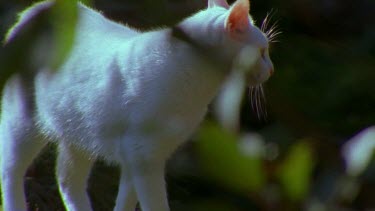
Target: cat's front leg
{"x":126,"y":197}
{"x":145,"y":159}
{"x":150,"y":186}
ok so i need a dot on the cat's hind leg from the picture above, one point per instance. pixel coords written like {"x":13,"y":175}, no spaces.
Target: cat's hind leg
{"x":73,"y":169}
{"x":19,"y":142}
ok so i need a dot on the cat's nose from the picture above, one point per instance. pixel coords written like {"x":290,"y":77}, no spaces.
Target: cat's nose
{"x":271,"y":71}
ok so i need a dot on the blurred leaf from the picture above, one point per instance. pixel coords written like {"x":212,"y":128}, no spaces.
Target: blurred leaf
{"x":45,"y":40}
{"x":359,"y":150}
{"x":17,"y":55}
{"x":225,"y":163}
{"x":65,"y":14}
{"x":295,"y":171}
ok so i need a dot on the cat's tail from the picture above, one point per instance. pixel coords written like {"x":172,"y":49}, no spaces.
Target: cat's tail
{"x":20,"y":44}
{"x":29,"y":21}
{"x":26,"y":44}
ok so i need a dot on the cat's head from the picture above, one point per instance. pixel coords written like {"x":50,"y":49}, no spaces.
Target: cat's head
{"x":249,"y":44}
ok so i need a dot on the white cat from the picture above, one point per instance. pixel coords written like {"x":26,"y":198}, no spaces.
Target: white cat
{"x":127,"y":97}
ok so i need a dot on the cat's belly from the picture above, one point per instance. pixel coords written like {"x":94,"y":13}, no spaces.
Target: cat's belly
{"x":80,"y":114}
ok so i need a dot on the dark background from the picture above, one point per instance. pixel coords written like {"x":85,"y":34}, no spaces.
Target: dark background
{"x":321,"y":95}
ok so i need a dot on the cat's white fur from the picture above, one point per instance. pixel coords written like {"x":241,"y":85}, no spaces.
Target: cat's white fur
{"x":128,"y":97}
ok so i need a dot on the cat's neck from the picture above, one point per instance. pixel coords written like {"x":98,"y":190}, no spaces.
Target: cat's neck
{"x":206,"y":26}
{"x":210,"y":54}
{"x":205,"y":33}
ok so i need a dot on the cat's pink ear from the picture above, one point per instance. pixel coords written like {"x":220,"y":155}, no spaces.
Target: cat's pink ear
{"x":238,"y":21}
{"x":218,"y":3}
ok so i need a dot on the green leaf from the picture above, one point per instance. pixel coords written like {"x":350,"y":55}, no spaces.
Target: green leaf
{"x":295,"y":171}
{"x":64,"y":14}
{"x":223,"y":162}
{"x":44,"y":41}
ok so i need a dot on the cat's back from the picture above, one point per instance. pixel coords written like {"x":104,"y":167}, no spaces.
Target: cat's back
{"x":92,"y":23}
{"x":89,"y":21}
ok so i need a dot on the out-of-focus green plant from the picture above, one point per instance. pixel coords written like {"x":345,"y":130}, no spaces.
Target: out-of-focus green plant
{"x":295,"y":171}
{"x":64,"y":16}
{"x":44,"y":41}
{"x":225,"y":163}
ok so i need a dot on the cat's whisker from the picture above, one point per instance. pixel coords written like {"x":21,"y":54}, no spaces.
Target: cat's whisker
{"x":252,"y":95}
{"x":272,"y":38}
{"x":258,"y":101}
{"x":262,"y":92}
{"x":273,"y":31}
{"x":254,"y":100}
{"x":264,"y":102}
{"x":267,"y":20}
{"x":261,"y":102}
{"x":259,"y":108}
{"x":273,"y":28}
{"x":275,"y":34}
